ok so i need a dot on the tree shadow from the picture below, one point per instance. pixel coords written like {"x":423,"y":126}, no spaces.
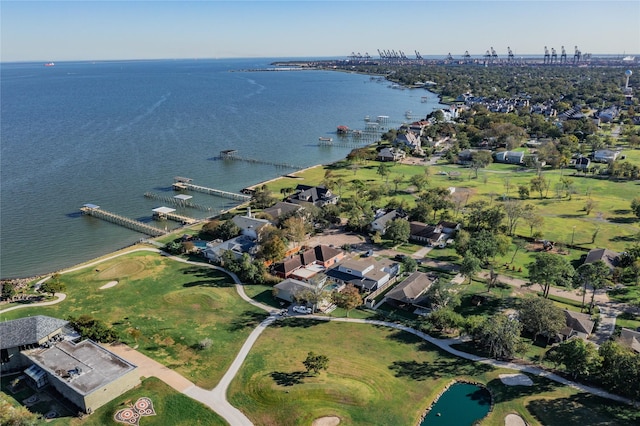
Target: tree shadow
{"x":404,"y":337}
{"x":582,"y":409}
{"x":622,"y":211}
{"x":625,"y":238}
{"x":248,"y":319}
{"x":619,"y":219}
{"x":503,"y":393}
{"x":219,"y":283}
{"x":295,"y":322}
{"x":288,"y":379}
{"x":443,"y":367}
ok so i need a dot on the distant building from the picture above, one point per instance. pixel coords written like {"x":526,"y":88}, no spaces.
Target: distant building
{"x":605,"y":156}
{"x":609,"y":257}
{"x":630,"y":339}
{"x":510,"y":157}
{"x":319,"y":196}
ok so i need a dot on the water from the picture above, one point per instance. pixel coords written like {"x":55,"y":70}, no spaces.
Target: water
{"x":462,"y":405}
{"x":107,"y":132}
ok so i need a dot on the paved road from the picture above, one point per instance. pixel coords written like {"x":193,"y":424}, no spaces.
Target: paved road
{"x":59,"y":298}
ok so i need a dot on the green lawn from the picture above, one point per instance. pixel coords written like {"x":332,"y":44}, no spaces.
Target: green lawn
{"x":173,"y":305}
{"x":378,"y":376}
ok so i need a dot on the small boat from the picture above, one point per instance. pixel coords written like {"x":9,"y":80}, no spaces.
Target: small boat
{"x":49,"y":64}
{"x":322,"y":139}
{"x":342,"y":129}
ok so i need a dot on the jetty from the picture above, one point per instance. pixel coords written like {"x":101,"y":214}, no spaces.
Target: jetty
{"x":169,"y":213}
{"x":184,"y":184}
{"x":96,"y":211}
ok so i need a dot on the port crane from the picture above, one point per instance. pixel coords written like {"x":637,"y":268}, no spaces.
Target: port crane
{"x":418,"y":56}
{"x":554,"y":55}
{"x":509,"y":54}
{"x":466,"y":55}
{"x":563,"y":55}
{"x":546,"y":55}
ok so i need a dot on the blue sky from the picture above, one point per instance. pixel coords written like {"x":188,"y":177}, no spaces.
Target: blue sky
{"x":97,"y":30}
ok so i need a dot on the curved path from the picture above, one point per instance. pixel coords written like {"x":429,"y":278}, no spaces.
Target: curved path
{"x":216,"y":398}
{"x":60,"y":298}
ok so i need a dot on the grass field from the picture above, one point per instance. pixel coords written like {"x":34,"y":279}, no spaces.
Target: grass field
{"x":380,"y":376}
{"x":565,"y":219}
{"x":171,"y":306}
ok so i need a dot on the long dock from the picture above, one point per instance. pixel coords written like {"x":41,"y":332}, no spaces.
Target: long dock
{"x":182,"y":185}
{"x":169,"y":213}
{"x":96,"y":211}
{"x":232,"y":154}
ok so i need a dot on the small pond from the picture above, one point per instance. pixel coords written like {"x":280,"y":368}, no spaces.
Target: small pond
{"x":462,"y":404}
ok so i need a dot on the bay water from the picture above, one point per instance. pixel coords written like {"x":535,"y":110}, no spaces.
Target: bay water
{"x":108,"y":132}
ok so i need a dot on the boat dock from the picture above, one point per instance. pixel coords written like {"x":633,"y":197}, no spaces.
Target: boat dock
{"x":184,"y":184}
{"x":96,"y":211}
{"x":169,"y":213}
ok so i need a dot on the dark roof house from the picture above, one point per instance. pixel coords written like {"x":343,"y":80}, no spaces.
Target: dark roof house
{"x":410,"y":291}
{"x":317,"y":195}
{"x":610,"y":258}
{"x":29,"y":331}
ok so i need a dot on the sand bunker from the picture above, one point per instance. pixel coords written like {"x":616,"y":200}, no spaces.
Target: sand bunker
{"x":109,"y":285}
{"x":514,"y":420}
{"x":326,"y":421}
{"x":516,"y":380}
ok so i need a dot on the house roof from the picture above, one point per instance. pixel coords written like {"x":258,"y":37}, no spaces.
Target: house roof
{"x":386,"y":218}
{"x":28,"y":331}
{"x":239,"y":244}
{"x":324,"y":253}
{"x":245,"y":222}
{"x":411,"y":288}
{"x":282,"y":208}
{"x":579,"y":322}
{"x":610,"y":258}
{"x":288,"y":265}
{"x":630,"y":338}
{"x":89,"y":366}
{"x":422,"y":230}
{"x":290,"y":285}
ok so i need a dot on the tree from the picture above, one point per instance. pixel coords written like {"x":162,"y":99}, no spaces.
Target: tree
{"x":549,"y":268}
{"x":482,"y":216}
{"x":53,"y":285}
{"x":501,"y":336}
{"x":470,"y":266}
{"x":262,"y":198}
{"x":534,"y":219}
{"x":397,"y":180}
{"x":514,"y":211}
{"x":398,"y":231}
{"x":480,"y":159}
{"x":216,"y":229}
{"x":438,"y":198}
{"x":17,"y":416}
{"x":314,"y":363}
{"x":347,"y":299}
{"x":484,"y":245}
{"x":594,"y":275}
{"x":409,"y":264}
{"x":635,"y":206}
{"x":384,"y":170}
{"x":541,"y":316}
{"x":92,"y":328}
{"x":8,"y":290}
{"x":443,"y":294}
{"x":589,"y":205}
{"x":419,"y":181}
{"x":523,"y":191}
{"x":273,"y":248}
{"x":295,"y":228}
{"x":539,"y":184}
{"x":620,"y":369}
{"x":580,"y":357}
{"x":445,"y":320}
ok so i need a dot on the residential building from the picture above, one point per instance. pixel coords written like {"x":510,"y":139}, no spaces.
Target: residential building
{"x":381,"y":222}
{"x":577,"y":324}
{"x":609,"y":257}
{"x":630,"y":339}
{"x":237,"y":246}
{"x":427,"y":234}
{"x":410,"y":292}
{"x":367,"y":274}
{"x":390,"y":154}
{"x":510,"y":157}
{"x":605,"y":156}
{"x":282,"y":209}
{"x":319,"y":196}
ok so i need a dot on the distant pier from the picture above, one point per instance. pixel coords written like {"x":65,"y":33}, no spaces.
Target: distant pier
{"x":181,"y":183}
{"x":178,"y":200}
{"x":232,"y":154}
{"x":96,"y":211}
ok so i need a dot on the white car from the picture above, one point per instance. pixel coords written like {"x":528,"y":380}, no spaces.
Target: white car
{"x":302,"y":309}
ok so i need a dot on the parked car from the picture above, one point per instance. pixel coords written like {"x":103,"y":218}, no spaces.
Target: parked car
{"x":369,"y":253}
{"x":302,"y":309}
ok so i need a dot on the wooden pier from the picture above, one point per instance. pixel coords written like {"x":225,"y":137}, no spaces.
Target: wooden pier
{"x":96,"y":211}
{"x":232,"y":155}
{"x":188,"y":186}
{"x":169,"y":213}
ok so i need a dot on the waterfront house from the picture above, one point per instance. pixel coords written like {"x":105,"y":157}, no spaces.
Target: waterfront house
{"x":282,"y":209}
{"x":249,"y":225}
{"x":390,"y":154}
{"x":309,"y":263}
{"x":319,"y":196}
{"x":410,"y":140}
{"x":237,"y":246}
